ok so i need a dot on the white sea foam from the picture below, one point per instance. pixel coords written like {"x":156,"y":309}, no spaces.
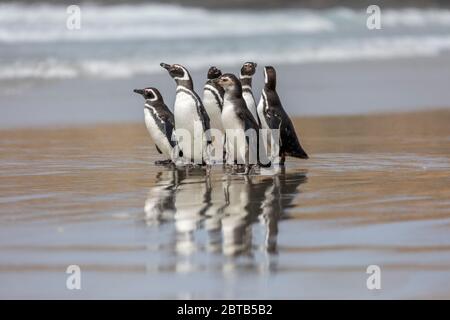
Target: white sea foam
{"x":376,"y":48}
{"x":46,"y":23}
{"x":118,"y":41}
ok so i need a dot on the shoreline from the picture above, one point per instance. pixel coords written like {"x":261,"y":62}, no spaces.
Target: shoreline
{"x":306,"y":90}
{"x":372,"y":116}
{"x":387,"y":123}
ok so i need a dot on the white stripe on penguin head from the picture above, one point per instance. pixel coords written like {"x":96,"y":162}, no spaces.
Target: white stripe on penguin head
{"x":185,"y":73}
{"x":266,"y":79}
{"x":155,"y":96}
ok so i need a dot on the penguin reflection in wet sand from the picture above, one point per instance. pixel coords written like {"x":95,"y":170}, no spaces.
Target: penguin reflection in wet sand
{"x":247,"y":71}
{"x":190,"y":115}
{"x":213,"y":102}
{"x":236,"y":120}
{"x":273,"y":116}
{"x":160,"y":123}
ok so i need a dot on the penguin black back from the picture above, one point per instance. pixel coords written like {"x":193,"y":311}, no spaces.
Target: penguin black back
{"x":270,"y":78}
{"x":276,"y":117}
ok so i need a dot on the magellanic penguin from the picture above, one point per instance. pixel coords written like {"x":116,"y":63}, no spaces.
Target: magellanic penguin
{"x":241,"y":129}
{"x":273,"y":116}
{"x":247,"y":71}
{"x":190,"y":115}
{"x":160,"y":123}
{"x":213,"y":102}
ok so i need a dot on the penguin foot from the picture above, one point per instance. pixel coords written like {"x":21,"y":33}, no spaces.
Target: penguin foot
{"x":264,"y":165}
{"x":163,"y":162}
{"x":248,"y":169}
{"x":189,"y":166}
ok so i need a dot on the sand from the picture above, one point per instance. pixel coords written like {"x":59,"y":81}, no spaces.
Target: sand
{"x":375,"y":191}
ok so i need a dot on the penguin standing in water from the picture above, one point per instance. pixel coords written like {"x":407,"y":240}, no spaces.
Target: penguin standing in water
{"x":247,"y":71}
{"x":236,"y":120}
{"x":213,"y":102}
{"x":273,"y":116}
{"x":190,"y":115}
{"x":160,"y":123}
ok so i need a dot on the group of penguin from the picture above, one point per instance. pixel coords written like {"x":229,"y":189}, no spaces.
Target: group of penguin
{"x":228,"y":104}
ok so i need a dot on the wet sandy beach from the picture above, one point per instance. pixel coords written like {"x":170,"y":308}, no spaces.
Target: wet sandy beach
{"x":375,"y":191}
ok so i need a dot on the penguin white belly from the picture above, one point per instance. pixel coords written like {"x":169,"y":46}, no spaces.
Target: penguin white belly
{"x":213,"y":110}
{"x":260,"y":110}
{"x":159,"y":137}
{"x":217,"y":131}
{"x":265,"y":135}
{"x":236,"y":143}
{"x":251,"y":104}
{"x":187,"y":118}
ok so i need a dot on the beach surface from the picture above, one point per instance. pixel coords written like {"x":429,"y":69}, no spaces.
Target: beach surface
{"x":375,"y":192}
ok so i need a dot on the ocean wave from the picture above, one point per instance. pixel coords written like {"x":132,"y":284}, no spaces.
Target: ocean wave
{"x":47,"y":23}
{"x":119,"y":41}
{"x":21,"y":23}
{"x":373,"y":49}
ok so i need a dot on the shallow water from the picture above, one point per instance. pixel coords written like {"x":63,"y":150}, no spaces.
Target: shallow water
{"x":375,"y":191}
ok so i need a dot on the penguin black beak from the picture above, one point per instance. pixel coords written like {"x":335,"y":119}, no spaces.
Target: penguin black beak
{"x":140,"y":91}
{"x":165,"y":65}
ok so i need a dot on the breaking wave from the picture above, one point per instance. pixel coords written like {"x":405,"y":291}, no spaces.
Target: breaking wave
{"x":117,"y":41}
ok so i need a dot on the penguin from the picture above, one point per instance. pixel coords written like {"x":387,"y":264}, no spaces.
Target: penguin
{"x":273,"y":116}
{"x":213,"y":102}
{"x":160,"y":123}
{"x":190,"y":115}
{"x":236,"y":120}
{"x":247,"y":71}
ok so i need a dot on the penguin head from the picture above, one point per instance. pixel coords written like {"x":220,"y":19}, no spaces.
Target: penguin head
{"x":270,"y":77}
{"x":176,"y":71}
{"x":230,"y":83}
{"x":248,"y":69}
{"x":214,"y":73}
{"x":150,"y":93}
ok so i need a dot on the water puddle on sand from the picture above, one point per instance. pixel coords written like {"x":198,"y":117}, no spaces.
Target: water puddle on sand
{"x":375,"y":191}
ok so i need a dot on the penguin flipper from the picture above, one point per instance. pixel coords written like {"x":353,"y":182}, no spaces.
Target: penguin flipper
{"x":204,"y":118}
{"x":249,"y":121}
{"x":159,"y":150}
{"x":168,"y":125}
{"x":273,"y":118}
